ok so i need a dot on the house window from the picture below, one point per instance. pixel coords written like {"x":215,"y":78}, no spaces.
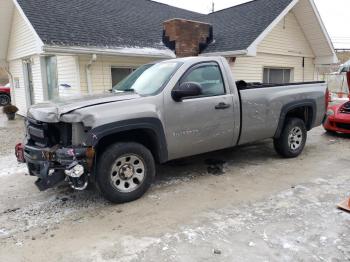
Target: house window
{"x":118,"y":74}
{"x":51,"y":77}
{"x":277,"y":75}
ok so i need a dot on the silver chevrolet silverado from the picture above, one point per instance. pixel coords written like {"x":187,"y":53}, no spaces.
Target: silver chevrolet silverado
{"x":163,"y":111}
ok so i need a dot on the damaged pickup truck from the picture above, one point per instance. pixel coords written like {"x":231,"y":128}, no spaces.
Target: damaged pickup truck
{"x":163,"y":111}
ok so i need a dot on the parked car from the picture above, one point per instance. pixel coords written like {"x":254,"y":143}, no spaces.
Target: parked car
{"x":174,"y":109}
{"x":338,"y":118}
{"x":5,"y":95}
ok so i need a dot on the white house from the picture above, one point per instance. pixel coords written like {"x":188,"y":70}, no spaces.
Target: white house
{"x":61,"y":48}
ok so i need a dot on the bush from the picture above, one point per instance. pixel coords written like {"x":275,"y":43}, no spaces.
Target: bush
{"x":10,"y":109}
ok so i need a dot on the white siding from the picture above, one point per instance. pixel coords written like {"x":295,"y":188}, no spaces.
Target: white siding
{"x":313,"y":30}
{"x":21,"y":94}
{"x":23,"y":41}
{"x":250,"y":69}
{"x":101,"y":70}
{"x":284,"y":47}
{"x":37,"y":80}
{"x":6,"y":12}
{"x":68,"y":74}
{"x":286,"y":38}
{"x":16,"y":69}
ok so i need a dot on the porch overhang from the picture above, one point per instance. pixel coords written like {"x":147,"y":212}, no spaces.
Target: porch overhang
{"x":127,"y":51}
{"x":228,"y":53}
{"x":326,"y":60}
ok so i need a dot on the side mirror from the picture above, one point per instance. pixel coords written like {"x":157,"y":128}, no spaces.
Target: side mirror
{"x":186,"y":89}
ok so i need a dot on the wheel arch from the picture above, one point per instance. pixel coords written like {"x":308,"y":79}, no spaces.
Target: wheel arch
{"x":146,"y":131}
{"x":304,"y":109}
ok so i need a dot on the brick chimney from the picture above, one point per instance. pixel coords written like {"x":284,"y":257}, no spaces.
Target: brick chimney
{"x":186,"y":37}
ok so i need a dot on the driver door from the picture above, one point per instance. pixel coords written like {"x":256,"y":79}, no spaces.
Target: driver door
{"x":200,"y":124}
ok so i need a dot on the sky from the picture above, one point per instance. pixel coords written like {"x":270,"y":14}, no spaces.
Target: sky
{"x":335,"y":14}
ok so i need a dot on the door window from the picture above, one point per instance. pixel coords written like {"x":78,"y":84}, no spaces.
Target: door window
{"x":277,"y":76}
{"x":209,"y":77}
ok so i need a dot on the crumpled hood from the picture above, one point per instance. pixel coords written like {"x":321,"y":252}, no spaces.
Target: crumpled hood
{"x":51,"y":112}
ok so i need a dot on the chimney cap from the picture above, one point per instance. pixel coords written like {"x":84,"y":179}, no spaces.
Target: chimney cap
{"x":186,"y":20}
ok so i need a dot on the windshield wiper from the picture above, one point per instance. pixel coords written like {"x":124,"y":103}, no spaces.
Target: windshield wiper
{"x":128,"y":90}
{"x":124,"y":90}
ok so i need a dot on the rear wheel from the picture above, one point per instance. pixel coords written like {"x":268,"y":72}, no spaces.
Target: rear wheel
{"x":293,"y":138}
{"x":5,"y":99}
{"x":125,"y":172}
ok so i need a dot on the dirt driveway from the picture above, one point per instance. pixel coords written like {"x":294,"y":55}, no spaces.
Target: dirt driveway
{"x":260,"y":208}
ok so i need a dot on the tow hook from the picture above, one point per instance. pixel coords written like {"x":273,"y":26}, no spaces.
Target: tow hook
{"x":74,"y":170}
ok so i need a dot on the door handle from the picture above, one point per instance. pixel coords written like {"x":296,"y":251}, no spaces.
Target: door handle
{"x":222,"y":106}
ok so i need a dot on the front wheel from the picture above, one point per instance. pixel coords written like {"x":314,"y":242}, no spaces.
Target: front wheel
{"x":125,"y":172}
{"x":293,"y":138}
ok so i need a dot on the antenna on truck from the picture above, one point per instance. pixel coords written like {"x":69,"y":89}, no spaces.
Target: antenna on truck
{"x":213,"y":7}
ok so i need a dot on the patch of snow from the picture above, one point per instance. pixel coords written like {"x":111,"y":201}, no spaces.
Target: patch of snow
{"x":3,"y":232}
{"x":134,"y":246}
{"x":19,"y":244}
{"x":10,"y":166}
{"x":146,"y":51}
{"x":323,"y":240}
{"x":287,"y":245}
{"x":252,"y":244}
{"x":133,"y":51}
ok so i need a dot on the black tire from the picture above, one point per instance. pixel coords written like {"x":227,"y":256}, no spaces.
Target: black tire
{"x":5,"y":100}
{"x":286,"y":146}
{"x":107,"y":164}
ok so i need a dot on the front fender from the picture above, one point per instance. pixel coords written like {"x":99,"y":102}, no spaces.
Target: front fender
{"x":153,"y":124}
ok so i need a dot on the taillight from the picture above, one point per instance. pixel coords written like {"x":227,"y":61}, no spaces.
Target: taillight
{"x":327,"y":98}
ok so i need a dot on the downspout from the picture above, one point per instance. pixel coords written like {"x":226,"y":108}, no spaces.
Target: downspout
{"x":303,"y":69}
{"x":88,"y":73}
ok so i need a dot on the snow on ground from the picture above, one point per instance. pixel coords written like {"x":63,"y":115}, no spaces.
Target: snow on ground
{"x":295,"y":224}
{"x":10,"y":166}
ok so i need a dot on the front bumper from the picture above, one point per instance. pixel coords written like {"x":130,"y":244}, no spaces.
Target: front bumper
{"x":336,"y":125}
{"x":50,"y":164}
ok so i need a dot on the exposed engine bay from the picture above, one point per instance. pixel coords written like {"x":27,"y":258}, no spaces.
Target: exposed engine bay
{"x":55,"y":152}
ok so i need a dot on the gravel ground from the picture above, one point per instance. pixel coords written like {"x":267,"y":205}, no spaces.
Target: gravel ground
{"x":11,"y":133}
{"x":251,"y":206}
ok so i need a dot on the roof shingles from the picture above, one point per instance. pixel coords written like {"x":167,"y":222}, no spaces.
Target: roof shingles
{"x":138,"y":23}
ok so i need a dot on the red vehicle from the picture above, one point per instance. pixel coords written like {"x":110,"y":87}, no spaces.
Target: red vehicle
{"x":338,"y":118}
{"x":5,"y":96}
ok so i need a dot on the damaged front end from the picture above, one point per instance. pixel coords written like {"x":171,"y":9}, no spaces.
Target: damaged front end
{"x":54,"y":153}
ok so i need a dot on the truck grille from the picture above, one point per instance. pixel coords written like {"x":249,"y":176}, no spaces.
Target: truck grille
{"x":48,"y":134}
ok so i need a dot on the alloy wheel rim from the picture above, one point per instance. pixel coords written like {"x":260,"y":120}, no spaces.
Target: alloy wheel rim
{"x":295,"y":138}
{"x":128,"y":173}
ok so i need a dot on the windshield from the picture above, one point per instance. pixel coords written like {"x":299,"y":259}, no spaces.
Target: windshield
{"x":148,"y":79}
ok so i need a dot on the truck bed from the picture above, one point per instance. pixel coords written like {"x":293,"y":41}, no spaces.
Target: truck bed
{"x":242,"y":85}
{"x":262,"y":104}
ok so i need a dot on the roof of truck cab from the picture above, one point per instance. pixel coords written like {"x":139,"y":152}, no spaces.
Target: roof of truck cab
{"x":139,"y":23}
